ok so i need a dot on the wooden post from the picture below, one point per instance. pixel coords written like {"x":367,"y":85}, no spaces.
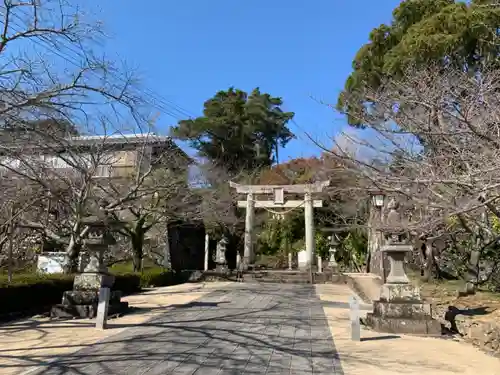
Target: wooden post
{"x":102,"y":308}
{"x":207,"y":242}
{"x":355,"y":325}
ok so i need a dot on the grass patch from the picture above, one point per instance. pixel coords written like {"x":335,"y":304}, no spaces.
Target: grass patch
{"x":128,"y":266}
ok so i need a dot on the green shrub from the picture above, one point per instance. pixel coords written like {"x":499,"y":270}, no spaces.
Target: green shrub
{"x":152,"y":277}
{"x":128,"y":283}
{"x":128,"y":266}
{"x":155,"y":277}
{"x":32,"y":293}
{"x":35,"y":293}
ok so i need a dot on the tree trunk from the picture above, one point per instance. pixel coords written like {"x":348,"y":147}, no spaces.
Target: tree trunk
{"x":472,"y":275}
{"x":368,"y":261}
{"x":137,"y":241}
{"x":428,"y":261}
{"x":72,"y":253}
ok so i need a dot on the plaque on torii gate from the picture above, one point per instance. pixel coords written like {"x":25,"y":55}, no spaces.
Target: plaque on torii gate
{"x":279,"y":201}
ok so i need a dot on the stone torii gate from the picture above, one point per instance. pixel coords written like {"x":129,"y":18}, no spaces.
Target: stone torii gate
{"x":278,"y":192}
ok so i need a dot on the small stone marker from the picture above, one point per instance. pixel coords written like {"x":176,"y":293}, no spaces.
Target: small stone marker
{"x":238,"y":260}
{"x":207,"y":252}
{"x":102,"y":308}
{"x":289,"y":261}
{"x":320,"y":264}
{"x":355,"y":324}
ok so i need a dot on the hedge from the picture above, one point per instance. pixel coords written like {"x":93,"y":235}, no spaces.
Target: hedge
{"x":35,"y":293}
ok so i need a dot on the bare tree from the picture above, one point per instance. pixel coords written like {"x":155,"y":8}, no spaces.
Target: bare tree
{"x":170,"y":199}
{"x":437,"y":133}
{"x":146,"y":188}
{"x":49,"y":68}
{"x":53,"y":86}
{"x":16,"y":200}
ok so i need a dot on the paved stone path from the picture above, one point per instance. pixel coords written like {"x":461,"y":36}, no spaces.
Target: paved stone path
{"x":242,"y":329}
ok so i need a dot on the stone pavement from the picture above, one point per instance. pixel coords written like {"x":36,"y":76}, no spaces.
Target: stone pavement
{"x":33,"y":343}
{"x":383,"y":354}
{"x":230,"y":328}
{"x":238,"y":329}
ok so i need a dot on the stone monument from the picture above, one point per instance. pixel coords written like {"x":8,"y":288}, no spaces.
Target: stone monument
{"x":83,"y":300}
{"x":400,"y":308}
{"x":303,"y":260}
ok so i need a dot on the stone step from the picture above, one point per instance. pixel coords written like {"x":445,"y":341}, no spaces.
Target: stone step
{"x":280,"y":281}
{"x":299,"y":278}
{"x":426,"y":326}
{"x":283,"y":272}
{"x":280,"y":276}
{"x":366,"y":286}
{"x":291,"y":277}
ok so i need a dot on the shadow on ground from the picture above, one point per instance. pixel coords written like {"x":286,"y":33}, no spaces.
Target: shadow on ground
{"x":380,"y":338}
{"x":454,"y":311}
{"x":242,"y":330}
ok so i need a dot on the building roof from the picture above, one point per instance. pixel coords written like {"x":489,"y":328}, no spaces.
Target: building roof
{"x":27,"y":139}
{"x":122,"y":138}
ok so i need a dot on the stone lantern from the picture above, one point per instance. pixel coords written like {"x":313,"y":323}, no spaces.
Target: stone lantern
{"x":95,"y":274}
{"x":396,"y":246}
{"x":334,"y":244}
{"x":220,"y":256}
{"x":400,"y":308}
{"x":82,"y":301}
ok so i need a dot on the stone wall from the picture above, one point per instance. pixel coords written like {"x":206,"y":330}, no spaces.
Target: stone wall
{"x":482,"y":333}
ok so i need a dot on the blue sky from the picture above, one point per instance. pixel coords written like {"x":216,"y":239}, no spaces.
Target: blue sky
{"x":187,"y":50}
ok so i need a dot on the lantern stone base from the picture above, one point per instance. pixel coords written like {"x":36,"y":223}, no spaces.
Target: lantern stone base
{"x":423,"y":327}
{"x":82,"y":301}
{"x":85,"y":311}
{"x":401,"y":310}
{"x":222,"y":268}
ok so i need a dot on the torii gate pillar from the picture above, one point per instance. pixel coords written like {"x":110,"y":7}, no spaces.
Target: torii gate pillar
{"x":248,"y":253}
{"x":309,"y":228}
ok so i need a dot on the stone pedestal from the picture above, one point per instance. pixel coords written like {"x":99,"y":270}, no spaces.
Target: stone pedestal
{"x":400,"y":308}
{"x":82,"y":301}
